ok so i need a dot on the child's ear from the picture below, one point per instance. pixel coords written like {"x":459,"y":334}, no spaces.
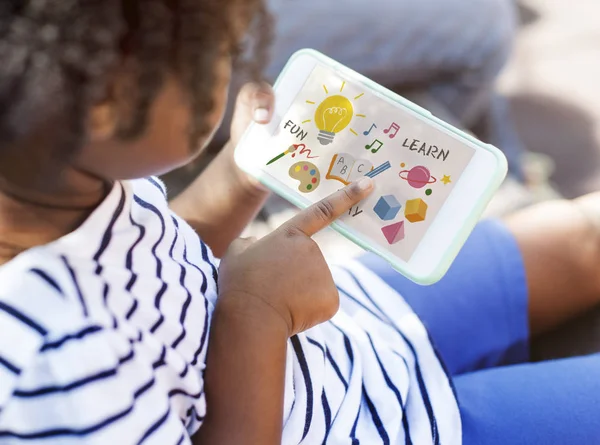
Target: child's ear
{"x":103,"y":121}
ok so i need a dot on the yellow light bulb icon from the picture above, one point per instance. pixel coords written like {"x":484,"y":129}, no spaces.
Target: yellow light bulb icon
{"x":333,"y":115}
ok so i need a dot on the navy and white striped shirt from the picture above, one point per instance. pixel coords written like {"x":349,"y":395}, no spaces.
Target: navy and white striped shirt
{"x":103,"y":338}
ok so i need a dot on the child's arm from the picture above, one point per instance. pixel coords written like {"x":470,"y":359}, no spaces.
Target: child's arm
{"x":261,"y":304}
{"x":245,"y":374}
{"x":223,"y":199}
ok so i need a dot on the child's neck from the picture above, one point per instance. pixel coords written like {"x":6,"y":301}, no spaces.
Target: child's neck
{"x":30,"y":219}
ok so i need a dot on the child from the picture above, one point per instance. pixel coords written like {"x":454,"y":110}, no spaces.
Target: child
{"x":107,"y":297}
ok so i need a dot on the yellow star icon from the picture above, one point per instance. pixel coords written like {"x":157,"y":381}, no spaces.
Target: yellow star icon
{"x":446,"y":180}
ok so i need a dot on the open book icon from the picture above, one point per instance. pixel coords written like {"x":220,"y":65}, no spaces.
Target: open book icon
{"x":346,"y":168}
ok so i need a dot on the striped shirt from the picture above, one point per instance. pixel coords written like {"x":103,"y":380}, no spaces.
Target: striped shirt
{"x":104,"y":332}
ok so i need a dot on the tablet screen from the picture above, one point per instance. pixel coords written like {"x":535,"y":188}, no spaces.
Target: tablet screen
{"x":337,"y":131}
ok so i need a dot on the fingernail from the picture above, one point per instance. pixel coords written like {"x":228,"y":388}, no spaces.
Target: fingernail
{"x":261,"y":115}
{"x":365,"y":183}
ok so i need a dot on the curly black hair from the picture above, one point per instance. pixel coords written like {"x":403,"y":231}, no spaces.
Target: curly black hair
{"x":56,"y":57}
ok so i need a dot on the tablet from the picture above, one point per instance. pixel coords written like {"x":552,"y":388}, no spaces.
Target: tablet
{"x":332,"y":126}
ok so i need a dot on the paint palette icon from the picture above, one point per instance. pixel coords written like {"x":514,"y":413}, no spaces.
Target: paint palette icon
{"x":308,"y":175}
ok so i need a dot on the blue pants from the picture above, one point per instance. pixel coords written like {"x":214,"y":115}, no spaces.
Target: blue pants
{"x":477,"y":317}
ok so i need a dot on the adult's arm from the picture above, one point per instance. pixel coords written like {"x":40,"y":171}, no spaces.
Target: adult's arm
{"x":560,"y":244}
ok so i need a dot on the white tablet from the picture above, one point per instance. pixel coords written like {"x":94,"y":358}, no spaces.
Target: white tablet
{"x":333,"y":125}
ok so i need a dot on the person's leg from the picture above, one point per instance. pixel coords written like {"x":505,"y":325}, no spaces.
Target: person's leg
{"x":395,"y":41}
{"x":477,"y":314}
{"x":548,"y":403}
{"x":540,"y":269}
{"x":456,"y":47}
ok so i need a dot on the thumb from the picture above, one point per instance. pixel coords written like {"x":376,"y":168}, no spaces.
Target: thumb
{"x":255,"y":103}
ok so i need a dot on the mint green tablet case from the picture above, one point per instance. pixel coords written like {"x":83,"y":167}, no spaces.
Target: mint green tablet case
{"x":463,"y":234}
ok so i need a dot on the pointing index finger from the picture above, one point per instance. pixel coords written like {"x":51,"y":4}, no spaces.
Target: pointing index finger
{"x":321,"y":214}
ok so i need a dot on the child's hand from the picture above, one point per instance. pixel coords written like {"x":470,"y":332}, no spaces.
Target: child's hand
{"x":285,"y":274}
{"x":255,"y":103}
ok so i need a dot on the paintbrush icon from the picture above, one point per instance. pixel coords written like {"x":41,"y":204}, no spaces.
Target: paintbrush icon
{"x":291,"y":149}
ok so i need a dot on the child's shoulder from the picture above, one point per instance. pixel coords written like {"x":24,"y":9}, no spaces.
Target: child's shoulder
{"x":33,"y":313}
{"x":53,"y":354}
{"x":33,"y":294}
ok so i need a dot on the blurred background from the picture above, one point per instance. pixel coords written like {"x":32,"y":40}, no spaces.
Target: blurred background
{"x":552,"y":81}
{"x":521,"y":74}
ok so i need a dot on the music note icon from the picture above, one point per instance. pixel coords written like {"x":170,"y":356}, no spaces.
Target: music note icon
{"x":366,"y":133}
{"x":393,"y":128}
{"x":374,"y":150}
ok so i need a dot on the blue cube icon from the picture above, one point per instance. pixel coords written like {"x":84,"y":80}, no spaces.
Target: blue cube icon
{"x":387,"y":207}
